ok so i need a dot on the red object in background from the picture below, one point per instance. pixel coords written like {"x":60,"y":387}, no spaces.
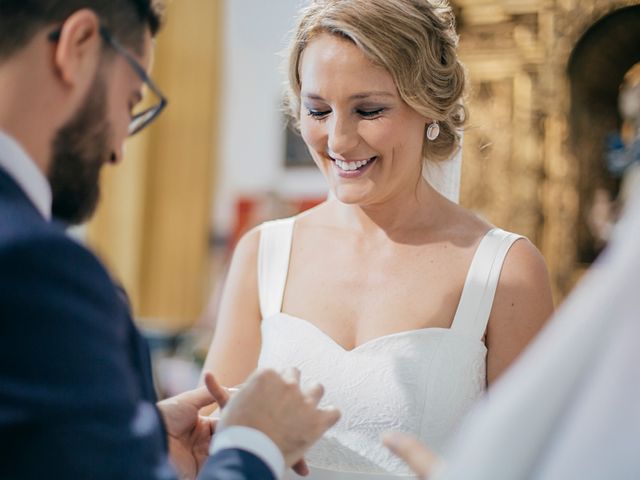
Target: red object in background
{"x":244,"y":209}
{"x":248,"y":213}
{"x":307,"y":203}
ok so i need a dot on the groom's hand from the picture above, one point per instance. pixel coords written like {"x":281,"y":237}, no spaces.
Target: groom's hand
{"x":189,"y":432}
{"x":222,"y":397}
{"x":276,"y":406}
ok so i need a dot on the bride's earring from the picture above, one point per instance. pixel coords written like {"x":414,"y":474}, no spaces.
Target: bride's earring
{"x":433,"y":131}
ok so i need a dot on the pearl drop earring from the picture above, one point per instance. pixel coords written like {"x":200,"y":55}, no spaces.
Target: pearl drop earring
{"x":433,"y":131}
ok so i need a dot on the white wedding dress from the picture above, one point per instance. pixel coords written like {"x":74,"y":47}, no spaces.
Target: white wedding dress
{"x":419,"y":381}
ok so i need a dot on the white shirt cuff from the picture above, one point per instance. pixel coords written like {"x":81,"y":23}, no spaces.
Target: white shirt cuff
{"x":252,"y":441}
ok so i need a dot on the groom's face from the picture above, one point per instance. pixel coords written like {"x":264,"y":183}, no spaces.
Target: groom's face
{"x":93,"y":137}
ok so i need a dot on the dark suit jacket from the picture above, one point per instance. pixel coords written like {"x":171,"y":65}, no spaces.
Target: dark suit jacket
{"x":76,"y":395}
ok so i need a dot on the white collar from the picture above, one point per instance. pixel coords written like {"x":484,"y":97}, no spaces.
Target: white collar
{"x":25,"y":173}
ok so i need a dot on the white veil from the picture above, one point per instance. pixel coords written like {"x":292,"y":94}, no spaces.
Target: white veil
{"x":445,"y":176}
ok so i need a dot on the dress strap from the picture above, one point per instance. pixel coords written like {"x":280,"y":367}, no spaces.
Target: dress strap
{"x":273,"y":263}
{"x":480,"y":286}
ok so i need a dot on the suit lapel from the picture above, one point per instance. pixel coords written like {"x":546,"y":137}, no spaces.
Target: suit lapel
{"x":10,"y":190}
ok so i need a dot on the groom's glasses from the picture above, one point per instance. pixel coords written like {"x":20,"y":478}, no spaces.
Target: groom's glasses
{"x":143,"y":118}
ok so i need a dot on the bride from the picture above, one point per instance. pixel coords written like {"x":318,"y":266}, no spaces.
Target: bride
{"x":403,"y":304}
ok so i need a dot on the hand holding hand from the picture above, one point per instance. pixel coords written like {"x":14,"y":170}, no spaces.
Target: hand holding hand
{"x":276,"y":406}
{"x":189,"y":432}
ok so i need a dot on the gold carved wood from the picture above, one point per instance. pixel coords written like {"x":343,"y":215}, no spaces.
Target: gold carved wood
{"x":520,"y":170}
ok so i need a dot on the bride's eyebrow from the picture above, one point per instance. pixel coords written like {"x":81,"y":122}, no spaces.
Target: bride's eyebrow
{"x":363,"y":95}
{"x":356,"y":96}
{"x":312,"y":96}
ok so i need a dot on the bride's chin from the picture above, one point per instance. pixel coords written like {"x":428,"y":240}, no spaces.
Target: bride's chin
{"x":348,"y":196}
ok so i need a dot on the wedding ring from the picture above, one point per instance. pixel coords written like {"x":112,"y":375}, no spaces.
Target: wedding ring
{"x":234,"y":390}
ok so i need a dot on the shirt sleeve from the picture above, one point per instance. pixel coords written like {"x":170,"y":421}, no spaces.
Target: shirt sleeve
{"x":252,"y":441}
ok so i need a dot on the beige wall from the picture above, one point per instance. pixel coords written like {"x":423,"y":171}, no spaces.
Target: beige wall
{"x":153,"y":224}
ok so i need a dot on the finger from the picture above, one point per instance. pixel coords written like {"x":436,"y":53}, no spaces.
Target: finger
{"x":210,"y":423}
{"x":419,"y":458}
{"x":216,"y":390}
{"x":291,"y":375}
{"x":330,"y":416}
{"x":301,"y":467}
{"x":315,"y":393}
{"x":200,"y":397}
{"x":213,"y":424}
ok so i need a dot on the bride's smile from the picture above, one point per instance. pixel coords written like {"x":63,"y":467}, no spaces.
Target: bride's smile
{"x":353,"y":168}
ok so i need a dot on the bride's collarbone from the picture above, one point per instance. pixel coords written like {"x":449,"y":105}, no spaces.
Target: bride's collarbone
{"x":338,"y":285}
{"x":361,"y":281}
{"x":357,"y":312}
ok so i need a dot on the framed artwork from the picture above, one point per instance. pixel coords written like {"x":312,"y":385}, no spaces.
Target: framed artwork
{"x":296,"y":153}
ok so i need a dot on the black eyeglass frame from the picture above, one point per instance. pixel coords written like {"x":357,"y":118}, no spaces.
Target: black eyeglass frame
{"x":144,"y":118}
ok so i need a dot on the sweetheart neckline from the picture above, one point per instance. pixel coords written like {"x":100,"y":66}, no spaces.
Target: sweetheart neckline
{"x":373,"y":340}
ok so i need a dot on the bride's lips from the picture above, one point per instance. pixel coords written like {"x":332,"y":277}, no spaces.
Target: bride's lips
{"x":353,"y":173}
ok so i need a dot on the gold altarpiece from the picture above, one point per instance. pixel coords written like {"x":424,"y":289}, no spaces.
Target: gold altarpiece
{"x":521,"y":169}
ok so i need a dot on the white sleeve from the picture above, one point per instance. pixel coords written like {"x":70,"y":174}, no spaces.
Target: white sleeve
{"x":252,"y":441}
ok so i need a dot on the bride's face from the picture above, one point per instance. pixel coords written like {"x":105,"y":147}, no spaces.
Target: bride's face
{"x":366,"y":140}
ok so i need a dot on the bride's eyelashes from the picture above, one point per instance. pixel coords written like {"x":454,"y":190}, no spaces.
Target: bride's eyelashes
{"x":371,"y":113}
{"x":367,"y":113}
{"x":318,"y":114}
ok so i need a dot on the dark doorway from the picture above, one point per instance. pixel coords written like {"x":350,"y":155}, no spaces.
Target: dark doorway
{"x":596,"y":69}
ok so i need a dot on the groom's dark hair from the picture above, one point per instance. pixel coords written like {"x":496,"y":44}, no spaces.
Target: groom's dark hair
{"x":126,"y":20}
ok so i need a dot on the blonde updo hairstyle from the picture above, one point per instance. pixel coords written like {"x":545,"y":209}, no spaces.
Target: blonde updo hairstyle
{"x":414,"y":40}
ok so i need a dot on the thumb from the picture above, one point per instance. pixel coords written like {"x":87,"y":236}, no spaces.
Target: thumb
{"x":419,"y":458}
{"x":215,"y":390}
{"x":200,"y":397}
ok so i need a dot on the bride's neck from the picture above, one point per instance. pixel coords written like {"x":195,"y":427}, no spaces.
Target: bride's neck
{"x":421,"y":208}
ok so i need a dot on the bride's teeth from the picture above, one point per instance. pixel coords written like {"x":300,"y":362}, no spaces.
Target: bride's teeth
{"x":351,"y":166}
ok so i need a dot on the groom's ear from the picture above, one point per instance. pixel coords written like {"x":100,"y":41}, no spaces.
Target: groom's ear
{"x":77,"y":51}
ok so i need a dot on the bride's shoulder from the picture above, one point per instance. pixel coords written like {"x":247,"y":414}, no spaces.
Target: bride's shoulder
{"x":316,"y":216}
{"x":245,"y":251}
{"x":281,"y":228}
{"x":307,"y":217}
{"x":522,"y":256}
{"x":466,"y":227}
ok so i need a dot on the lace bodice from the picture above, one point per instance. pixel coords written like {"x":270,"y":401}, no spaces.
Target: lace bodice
{"x":418,"y":381}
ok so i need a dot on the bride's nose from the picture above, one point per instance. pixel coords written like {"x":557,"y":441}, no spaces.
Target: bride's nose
{"x":342,"y":135}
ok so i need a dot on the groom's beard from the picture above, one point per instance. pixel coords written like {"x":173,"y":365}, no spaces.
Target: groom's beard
{"x":80,"y":149}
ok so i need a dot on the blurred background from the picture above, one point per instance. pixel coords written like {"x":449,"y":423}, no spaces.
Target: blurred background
{"x":549,"y":150}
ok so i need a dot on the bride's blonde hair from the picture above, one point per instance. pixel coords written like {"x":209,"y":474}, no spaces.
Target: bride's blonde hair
{"x":414,"y":40}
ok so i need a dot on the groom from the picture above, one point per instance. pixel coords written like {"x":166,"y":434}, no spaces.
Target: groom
{"x":76,"y":396}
